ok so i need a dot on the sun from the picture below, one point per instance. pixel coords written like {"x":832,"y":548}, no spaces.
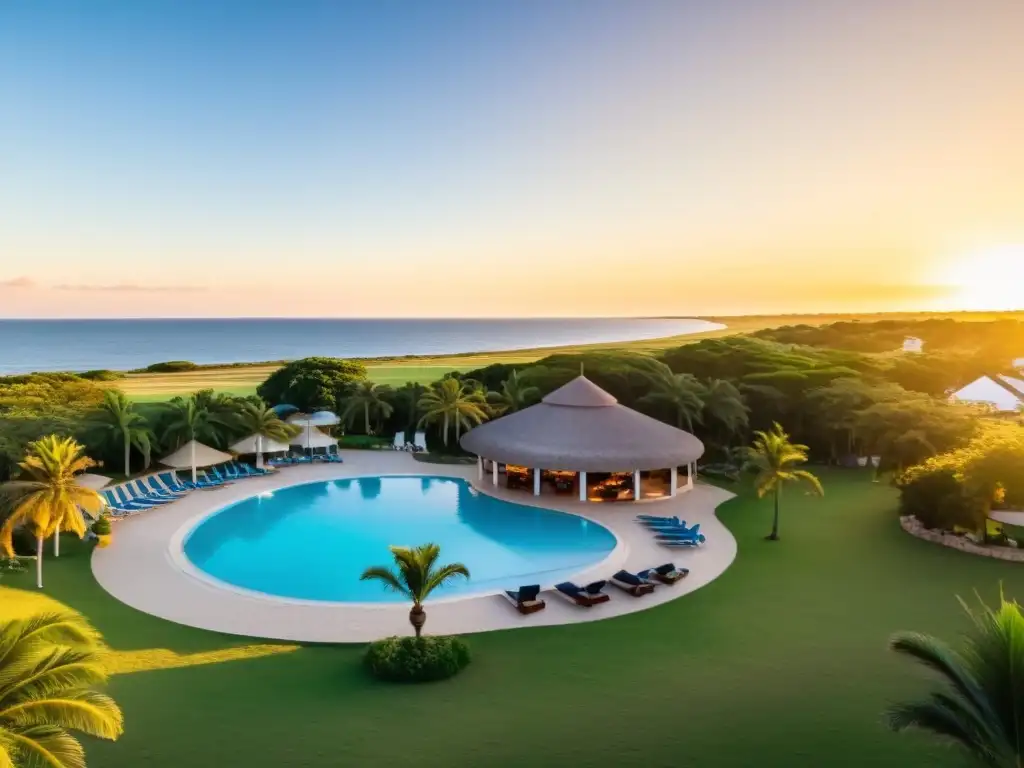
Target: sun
{"x":990,"y":279}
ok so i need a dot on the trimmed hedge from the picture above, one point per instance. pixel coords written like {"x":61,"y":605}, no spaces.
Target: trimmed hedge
{"x":416,"y":660}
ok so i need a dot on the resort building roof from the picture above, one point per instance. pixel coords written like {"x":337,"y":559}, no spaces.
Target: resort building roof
{"x":1003,"y":393}
{"x":582,"y":428}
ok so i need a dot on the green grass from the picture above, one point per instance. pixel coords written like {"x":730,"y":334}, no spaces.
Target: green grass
{"x":782,"y":661}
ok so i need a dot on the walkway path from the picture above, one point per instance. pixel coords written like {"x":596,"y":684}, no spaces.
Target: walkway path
{"x":146,"y":569}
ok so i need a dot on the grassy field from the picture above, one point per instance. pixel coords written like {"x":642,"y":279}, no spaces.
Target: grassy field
{"x":780,"y":662}
{"x":243,"y":379}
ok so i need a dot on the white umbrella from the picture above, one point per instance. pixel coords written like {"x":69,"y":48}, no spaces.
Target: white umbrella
{"x":91,"y":481}
{"x":259,"y":445}
{"x":315,"y":439}
{"x":194,"y":454}
{"x":318,"y":419}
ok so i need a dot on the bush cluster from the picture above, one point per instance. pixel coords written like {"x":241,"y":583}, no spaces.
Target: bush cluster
{"x":416,"y":660}
{"x":102,"y":526}
{"x":101,"y":374}
{"x":171,"y":366}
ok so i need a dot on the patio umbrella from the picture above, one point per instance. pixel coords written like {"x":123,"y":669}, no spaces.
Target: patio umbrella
{"x":314,"y":438}
{"x":259,"y":445}
{"x":284,"y":410}
{"x":91,"y":481}
{"x":194,"y":454}
{"x":309,"y":421}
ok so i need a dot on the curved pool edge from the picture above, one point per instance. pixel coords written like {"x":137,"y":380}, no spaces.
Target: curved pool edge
{"x":138,"y":571}
{"x":176,"y":547}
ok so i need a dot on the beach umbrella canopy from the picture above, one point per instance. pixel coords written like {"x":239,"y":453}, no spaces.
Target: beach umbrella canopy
{"x":248,"y":445}
{"x":314,"y":438}
{"x":324,"y":419}
{"x":284,"y":409}
{"x":91,"y":481}
{"x":204,"y":456}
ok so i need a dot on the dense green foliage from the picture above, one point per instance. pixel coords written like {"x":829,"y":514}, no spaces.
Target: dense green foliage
{"x":171,"y":366}
{"x":312,"y":383}
{"x":787,"y":647}
{"x":416,"y":659}
{"x":101,"y":374}
{"x":102,"y":526}
{"x":979,"y":708}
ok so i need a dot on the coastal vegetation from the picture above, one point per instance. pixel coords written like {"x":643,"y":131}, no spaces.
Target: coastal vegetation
{"x":978,"y":710}
{"x":776,"y":461}
{"x":50,"y":667}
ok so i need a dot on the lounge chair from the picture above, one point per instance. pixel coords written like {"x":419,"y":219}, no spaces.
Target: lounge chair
{"x":113,"y":505}
{"x":657,"y":519}
{"x":632,"y":583}
{"x":526,"y":599}
{"x":585,"y":597}
{"x":678,"y":525}
{"x":142,"y":490}
{"x":120,"y":502}
{"x":689,"y":539}
{"x":172,"y":483}
{"x":160,"y":491}
{"x":216,"y":475}
{"x":129,"y":502}
{"x":666,"y":574}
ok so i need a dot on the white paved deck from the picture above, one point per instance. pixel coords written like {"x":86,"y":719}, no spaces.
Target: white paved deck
{"x":143,"y":567}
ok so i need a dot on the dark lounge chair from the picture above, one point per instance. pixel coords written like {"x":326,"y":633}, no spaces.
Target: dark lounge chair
{"x":666,"y":574}
{"x":632,"y":583}
{"x":525,"y":599}
{"x":586,"y":597}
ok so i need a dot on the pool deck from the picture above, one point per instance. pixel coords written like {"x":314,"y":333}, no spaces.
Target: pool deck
{"x":145,"y":568}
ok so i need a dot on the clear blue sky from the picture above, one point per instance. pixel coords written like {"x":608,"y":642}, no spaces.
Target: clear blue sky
{"x":535,"y":157}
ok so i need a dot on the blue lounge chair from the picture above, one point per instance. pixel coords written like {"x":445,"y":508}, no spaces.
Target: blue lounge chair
{"x":172,"y":483}
{"x":681,"y":532}
{"x":130,"y":502}
{"x":666,"y":574}
{"x":113,"y":505}
{"x":632,"y":583}
{"x":526,"y":599}
{"x":657,"y":519}
{"x":143,"y":493}
{"x":216,"y":475}
{"x":681,"y":542}
{"x":585,"y":597}
{"x":666,"y":525}
{"x":158,"y":490}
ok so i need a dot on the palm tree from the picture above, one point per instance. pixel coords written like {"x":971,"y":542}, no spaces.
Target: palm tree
{"x":416,"y":577}
{"x":980,"y":708}
{"x":49,"y":667}
{"x":775,"y":459}
{"x":117,"y":418}
{"x":51,"y":499}
{"x":366,"y":399}
{"x":452,"y":402}
{"x":724,"y":403}
{"x":192,"y":419}
{"x":263,"y":422}
{"x":682,"y":392}
{"x":514,"y":395}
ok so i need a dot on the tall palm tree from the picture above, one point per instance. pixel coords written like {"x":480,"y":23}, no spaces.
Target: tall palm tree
{"x":50,"y":665}
{"x":724,"y":403}
{"x":681,"y":392}
{"x":775,"y":459}
{"x":366,"y":399}
{"x":264,"y":422}
{"x":117,"y":418}
{"x":513,"y":395}
{"x":50,"y":499}
{"x":417,"y":575}
{"x":449,"y":401}
{"x":191,"y":418}
{"x":981,"y":706}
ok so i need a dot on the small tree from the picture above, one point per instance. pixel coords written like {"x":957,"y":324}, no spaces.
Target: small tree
{"x":416,"y":576}
{"x":775,"y":459}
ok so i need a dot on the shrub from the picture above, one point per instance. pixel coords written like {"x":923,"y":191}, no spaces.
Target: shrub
{"x":416,"y":660}
{"x":102,"y":526}
{"x":312,"y":383}
{"x":102,"y":374}
{"x":171,"y":366}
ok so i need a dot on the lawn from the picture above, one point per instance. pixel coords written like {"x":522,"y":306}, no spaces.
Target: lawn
{"x":780,"y":662}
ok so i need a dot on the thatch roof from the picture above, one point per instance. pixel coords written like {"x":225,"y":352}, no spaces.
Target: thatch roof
{"x":581,"y":427}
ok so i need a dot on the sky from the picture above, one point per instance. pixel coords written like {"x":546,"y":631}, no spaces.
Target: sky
{"x":531,"y":158}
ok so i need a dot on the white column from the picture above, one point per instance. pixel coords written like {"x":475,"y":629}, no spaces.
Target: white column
{"x":480,"y":468}
{"x":637,"y":493}
{"x":691,"y":469}
{"x":673,"y":487}
{"x":536,"y":481}
{"x":494,"y":473}
{"x":583,"y":486}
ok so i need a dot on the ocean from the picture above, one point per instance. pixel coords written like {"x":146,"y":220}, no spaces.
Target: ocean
{"x":80,"y":345}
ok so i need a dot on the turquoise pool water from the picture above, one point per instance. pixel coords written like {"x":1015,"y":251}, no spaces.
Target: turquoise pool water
{"x":313,"y":541}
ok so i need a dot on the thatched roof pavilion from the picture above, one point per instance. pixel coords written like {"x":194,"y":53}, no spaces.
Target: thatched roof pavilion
{"x":581,"y":428}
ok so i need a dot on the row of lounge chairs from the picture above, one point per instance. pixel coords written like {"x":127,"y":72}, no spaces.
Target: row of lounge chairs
{"x":527,"y":599}
{"x":317,"y":458}
{"x":672,"y":532}
{"x":163,"y":488}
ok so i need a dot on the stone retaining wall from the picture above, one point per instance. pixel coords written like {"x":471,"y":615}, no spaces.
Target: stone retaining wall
{"x":911,"y":525}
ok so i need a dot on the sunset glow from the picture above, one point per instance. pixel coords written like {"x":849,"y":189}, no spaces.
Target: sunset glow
{"x":989,"y":279}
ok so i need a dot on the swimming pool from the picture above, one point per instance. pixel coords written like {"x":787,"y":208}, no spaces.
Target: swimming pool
{"x":312,"y":541}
